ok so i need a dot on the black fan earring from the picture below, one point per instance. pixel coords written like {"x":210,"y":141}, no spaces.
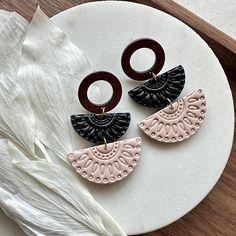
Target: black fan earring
{"x":158,"y":90}
{"x":112,"y":160}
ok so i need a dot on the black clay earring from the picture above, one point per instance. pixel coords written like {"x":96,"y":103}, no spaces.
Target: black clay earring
{"x":112,"y":160}
{"x":160,"y":90}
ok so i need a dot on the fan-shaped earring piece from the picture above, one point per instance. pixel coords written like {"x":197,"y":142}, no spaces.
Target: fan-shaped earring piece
{"x":104,"y":166}
{"x":159,"y":89}
{"x":178,"y":121}
{"x":96,"y":127}
{"x":113,"y":160}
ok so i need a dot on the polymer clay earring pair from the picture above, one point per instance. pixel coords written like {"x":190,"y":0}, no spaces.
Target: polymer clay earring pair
{"x":114,"y":160}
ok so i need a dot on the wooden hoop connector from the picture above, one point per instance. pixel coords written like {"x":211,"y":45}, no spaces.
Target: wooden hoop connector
{"x":143,"y":43}
{"x":111,"y":103}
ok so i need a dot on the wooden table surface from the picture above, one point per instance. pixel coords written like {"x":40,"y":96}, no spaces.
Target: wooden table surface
{"x":216,"y":214}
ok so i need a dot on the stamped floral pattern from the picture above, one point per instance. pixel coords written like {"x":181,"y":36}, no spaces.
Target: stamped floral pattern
{"x":178,"y":121}
{"x":107,"y":165}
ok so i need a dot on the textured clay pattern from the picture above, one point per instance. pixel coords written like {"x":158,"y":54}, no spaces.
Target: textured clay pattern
{"x":154,"y":92}
{"x":105,"y":166}
{"x":177,"y":122}
{"x":96,"y":127}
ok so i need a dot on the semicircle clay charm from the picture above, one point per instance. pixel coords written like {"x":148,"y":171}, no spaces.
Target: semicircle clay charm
{"x":113,"y":160}
{"x":178,"y":121}
{"x":104,"y":166}
{"x":96,"y":127}
{"x":156,"y":91}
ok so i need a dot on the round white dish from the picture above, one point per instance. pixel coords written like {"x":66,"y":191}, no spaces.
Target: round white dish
{"x":171,"y":179}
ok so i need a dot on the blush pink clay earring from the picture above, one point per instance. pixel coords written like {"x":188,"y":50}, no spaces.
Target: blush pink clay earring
{"x":178,"y":121}
{"x":112,"y":160}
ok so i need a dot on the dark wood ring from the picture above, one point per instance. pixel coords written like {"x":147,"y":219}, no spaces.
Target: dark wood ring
{"x":91,"y":78}
{"x":143,"y":43}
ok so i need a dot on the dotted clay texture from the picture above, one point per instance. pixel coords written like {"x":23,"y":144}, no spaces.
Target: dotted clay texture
{"x":107,"y":165}
{"x":178,"y":121}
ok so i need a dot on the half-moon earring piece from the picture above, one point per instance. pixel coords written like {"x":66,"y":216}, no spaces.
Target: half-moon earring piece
{"x":159,"y":88}
{"x":178,"y":121}
{"x":107,"y":165}
{"x":113,"y":160}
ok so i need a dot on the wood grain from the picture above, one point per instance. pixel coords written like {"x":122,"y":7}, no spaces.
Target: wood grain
{"x":216,"y":214}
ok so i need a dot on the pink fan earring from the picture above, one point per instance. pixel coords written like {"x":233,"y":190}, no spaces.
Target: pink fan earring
{"x":178,"y":121}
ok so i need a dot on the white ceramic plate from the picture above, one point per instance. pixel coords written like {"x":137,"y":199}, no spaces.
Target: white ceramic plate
{"x":170,"y":180}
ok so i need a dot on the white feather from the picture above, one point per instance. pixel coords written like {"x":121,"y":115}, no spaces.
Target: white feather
{"x":50,"y":72}
{"x":12,"y":31}
{"x":43,"y":197}
{"x":16,"y":117}
{"x":46,"y":197}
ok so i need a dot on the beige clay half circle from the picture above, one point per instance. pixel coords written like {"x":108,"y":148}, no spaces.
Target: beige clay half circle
{"x":178,"y":121}
{"x":104,"y":166}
